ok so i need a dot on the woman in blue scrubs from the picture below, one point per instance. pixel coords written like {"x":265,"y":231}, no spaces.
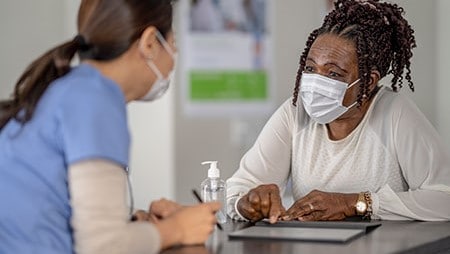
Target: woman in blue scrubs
{"x":64,"y":140}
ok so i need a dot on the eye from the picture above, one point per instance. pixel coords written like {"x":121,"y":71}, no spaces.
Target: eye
{"x":333,"y":74}
{"x":308,"y":69}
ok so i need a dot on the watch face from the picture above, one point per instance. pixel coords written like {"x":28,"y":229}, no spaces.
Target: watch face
{"x":361,"y":207}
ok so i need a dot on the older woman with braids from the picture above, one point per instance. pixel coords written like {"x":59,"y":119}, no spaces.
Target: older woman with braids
{"x":350,"y":146}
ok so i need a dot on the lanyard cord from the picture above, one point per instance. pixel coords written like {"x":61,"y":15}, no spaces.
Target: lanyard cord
{"x":130,"y":192}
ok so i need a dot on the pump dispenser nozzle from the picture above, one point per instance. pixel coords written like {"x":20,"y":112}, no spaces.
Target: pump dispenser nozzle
{"x":213,"y":171}
{"x":215,"y":189}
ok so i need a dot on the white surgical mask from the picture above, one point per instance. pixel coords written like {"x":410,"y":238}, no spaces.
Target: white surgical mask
{"x":161,"y":84}
{"x":322,"y":97}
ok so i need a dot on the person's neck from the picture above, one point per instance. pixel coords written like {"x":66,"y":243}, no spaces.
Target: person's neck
{"x":343,"y":126}
{"x":115,"y":71}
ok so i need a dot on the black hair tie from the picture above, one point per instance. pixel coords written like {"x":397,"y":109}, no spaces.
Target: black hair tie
{"x":81,"y":42}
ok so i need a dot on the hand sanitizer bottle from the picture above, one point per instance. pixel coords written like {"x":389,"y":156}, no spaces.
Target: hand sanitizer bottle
{"x":214,"y":189}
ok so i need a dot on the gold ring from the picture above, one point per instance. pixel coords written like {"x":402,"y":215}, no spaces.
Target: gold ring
{"x":311,"y":206}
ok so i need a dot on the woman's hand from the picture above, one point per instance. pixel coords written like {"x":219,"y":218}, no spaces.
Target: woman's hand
{"x":158,"y":210}
{"x":262,"y":202}
{"x":141,"y":215}
{"x":163,"y":208}
{"x":188,"y":225}
{"x":319,"y":205}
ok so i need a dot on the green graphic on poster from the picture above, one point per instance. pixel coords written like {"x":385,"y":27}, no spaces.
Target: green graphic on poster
{"x":228,"y":85}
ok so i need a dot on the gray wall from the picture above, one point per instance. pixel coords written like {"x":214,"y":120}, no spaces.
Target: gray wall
{"x":27,"y":29}
{"x":442,"y":51}
{"x":421,"y":15}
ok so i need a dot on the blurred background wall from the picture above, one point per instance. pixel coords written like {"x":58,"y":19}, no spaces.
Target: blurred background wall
{"x":167,"y":145}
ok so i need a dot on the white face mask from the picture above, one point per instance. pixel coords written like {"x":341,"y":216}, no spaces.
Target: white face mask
{"x":161,"y":84}
{"x":322,"y":97}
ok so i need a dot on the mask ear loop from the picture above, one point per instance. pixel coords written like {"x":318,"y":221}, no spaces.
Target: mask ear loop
{"x":130,"y":192}
{"x":354,"y":83}
{"x":351,"y":106}
{"x":165,"y":44}
{"x":350,"y":86}
{"x":155,"y":69}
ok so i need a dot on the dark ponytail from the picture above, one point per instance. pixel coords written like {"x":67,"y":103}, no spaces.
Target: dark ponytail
{"x":35,"y":80}
{"x":107,"y":29}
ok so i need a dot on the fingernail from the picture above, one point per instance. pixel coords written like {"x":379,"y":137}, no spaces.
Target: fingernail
{"x":273,"y":219}
{"x":286,"y":217}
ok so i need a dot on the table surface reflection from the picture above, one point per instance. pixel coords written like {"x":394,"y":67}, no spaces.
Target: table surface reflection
{"x":390,"y":237}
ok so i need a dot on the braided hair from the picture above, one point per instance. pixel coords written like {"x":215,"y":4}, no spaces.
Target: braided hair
{"x":383,"y":38}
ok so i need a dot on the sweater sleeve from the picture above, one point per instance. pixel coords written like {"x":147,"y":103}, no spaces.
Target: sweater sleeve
{"x":267,"y":162}
{"x":425,"y":164}
{"x":100,"y":219}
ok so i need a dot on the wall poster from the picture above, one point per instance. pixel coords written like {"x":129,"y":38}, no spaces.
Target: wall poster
{"x":226,"y":57}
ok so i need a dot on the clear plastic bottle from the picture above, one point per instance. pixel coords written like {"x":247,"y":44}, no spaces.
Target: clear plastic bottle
{"x":214,"y":189}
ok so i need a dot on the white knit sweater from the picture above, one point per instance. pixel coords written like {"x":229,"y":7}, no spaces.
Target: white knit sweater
{"x":394,"y":153}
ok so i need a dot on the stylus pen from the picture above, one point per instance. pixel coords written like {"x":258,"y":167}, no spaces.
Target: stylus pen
{"x":201,"y":201}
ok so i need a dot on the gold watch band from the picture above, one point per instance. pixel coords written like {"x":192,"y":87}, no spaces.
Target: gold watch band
{"x":364,"y":204}
{"x":361,"y":205}
{"x":368,"y":199}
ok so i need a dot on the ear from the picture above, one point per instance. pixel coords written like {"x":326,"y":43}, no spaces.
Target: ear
{"x":148,"y":43}
{"x":374,"y":78}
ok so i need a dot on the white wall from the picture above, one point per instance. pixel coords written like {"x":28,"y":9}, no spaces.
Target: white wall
{"x":443,"y":67}
{"x":152,"y":156}
{"x":28,"y":28}
{"x":421,"y":16}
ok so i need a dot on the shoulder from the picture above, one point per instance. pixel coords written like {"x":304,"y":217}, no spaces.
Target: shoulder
{"x":290,"y":116}
{"x":86,"y":83}
{"x":286,"y":112}
{"x":85,"y":90}
{"x":91,"y":116}
{"x":395,"y":104}
{"x":288,"y":107}
{"x":397,"y":114}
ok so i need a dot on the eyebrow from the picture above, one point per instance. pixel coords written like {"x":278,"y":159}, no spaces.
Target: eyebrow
{"x":329,"y":63}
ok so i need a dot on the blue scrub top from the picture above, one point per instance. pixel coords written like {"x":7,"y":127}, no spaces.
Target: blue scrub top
{"x":81,"y":116}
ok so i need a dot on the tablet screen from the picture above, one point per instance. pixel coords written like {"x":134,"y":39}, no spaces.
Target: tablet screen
{"x":297,"y":234}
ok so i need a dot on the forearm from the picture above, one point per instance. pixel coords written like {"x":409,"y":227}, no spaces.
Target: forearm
{"x":232,"y":209}
{"x":237,"y":186}
{"x":100,"y":218}
{"x":420,"y":204}
{"x":267,"y":162}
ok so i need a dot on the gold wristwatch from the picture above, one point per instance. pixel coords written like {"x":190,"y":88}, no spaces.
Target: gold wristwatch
{"x":364,"y":204}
